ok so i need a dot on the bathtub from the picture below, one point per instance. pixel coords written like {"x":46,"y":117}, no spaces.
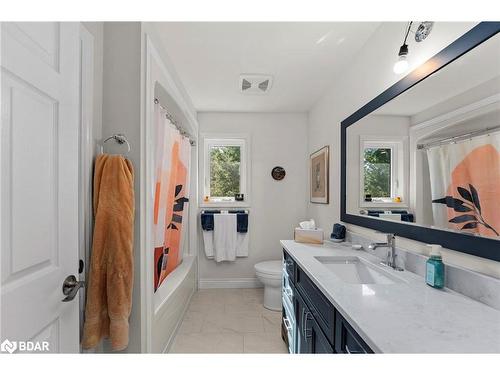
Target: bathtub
{"x":171,"y":301}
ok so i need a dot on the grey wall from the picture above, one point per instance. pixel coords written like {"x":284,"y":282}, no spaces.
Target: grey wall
{"x":121,"y":114}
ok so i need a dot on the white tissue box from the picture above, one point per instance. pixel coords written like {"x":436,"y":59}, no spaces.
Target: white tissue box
{"x":314,"y":236}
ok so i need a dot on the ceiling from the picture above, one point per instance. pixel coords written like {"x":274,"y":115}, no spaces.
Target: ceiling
{"x":302,"y":57}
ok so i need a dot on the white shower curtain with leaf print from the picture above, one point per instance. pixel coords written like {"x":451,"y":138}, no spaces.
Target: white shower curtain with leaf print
{"x":465,"y":185}
{"x":172,"y":166}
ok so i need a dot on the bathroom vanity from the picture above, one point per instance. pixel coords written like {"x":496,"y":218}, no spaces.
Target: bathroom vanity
{"x":319,"y":327}
{"x":344,"y":301}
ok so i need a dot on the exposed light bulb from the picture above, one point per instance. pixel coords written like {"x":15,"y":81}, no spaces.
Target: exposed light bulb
{"x":401,"y":65}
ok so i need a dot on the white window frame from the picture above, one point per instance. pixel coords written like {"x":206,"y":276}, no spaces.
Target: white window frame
{"x":211,"y":140}
{"x":399,"y":169}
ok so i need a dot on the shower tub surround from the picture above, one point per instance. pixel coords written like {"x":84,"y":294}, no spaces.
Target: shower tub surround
{"x":403,"y":317}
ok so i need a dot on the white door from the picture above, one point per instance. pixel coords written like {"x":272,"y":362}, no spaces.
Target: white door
{"x":39,"y":184}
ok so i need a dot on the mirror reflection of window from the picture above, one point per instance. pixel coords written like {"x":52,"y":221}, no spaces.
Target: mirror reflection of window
{"x":378,"y":174}
{"x":382,"y":161}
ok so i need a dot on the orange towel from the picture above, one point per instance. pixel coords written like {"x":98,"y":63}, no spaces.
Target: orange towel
{"x":109,"y":293}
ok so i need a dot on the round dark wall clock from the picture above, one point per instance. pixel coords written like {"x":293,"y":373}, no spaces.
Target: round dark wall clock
{"x":278,"y":173}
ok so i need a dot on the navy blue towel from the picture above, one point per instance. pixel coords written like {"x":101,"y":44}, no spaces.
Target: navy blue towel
{"x":408,"y":217}
{"x":242,"y":222}
{"x":207,"y":220}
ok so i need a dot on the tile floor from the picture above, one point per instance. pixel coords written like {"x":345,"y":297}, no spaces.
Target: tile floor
{"x":229,"y":321}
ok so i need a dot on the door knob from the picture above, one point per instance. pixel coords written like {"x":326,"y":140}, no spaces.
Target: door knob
{"x":70,"y":287}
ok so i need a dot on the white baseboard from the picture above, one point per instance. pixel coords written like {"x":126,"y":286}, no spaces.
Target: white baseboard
{"x":229,"y":283}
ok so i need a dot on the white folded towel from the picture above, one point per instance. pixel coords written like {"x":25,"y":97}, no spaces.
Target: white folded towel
{"x":208,"y":243}
{"x":225,"y":236}
{"x":242,"y":244}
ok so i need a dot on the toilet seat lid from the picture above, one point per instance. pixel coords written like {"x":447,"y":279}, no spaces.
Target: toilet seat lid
{"x":271,"y":267}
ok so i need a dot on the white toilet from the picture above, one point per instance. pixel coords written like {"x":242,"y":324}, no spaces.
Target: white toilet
{"x":270,"y":273}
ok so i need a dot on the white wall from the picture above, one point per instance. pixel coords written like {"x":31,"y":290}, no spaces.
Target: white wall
{"x":364,"y":78}
{"x":97,"y":31}
{"x":276,"y":206}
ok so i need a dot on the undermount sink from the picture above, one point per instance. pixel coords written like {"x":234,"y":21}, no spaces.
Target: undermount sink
{"x":354,"y":270}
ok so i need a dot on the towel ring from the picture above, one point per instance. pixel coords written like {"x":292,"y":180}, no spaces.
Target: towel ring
{"x":119,"y":138}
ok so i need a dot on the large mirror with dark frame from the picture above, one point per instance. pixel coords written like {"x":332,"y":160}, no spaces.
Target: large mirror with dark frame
{"x":422,"y":160}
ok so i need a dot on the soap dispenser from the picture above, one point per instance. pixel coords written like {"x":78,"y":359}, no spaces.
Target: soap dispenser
{"x":434,"y":275}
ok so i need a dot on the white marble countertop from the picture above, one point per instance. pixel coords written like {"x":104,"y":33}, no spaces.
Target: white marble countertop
{"x":405,"y":317}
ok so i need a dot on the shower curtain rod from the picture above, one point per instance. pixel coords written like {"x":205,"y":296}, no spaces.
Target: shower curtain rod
{"x":175,"y":123}
{"x":422,"y":146}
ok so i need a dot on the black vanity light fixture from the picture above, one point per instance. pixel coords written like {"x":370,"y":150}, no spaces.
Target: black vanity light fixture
{"x":422,"y":32}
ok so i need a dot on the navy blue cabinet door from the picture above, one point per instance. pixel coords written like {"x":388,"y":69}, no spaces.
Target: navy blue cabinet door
{"x":310,"y":337}
{"x":317,"y":340}
{"x":301,"y":311}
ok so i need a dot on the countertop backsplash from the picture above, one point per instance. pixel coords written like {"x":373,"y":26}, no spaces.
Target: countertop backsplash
{"x":482,"y":288}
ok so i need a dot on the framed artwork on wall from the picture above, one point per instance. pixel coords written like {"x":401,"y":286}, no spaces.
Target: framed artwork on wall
{"x":320,"y":175}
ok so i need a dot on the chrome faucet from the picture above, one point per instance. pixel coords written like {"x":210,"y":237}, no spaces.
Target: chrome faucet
{"x":391,"y":254}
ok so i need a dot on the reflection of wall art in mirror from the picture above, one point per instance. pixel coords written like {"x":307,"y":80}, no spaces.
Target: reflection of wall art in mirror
{"x":319,"y":164}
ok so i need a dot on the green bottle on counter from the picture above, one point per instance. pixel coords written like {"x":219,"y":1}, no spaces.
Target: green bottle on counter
{"x":434,"y":275}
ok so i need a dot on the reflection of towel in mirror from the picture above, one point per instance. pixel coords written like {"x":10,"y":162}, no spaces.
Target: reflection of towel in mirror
{"x":393,"y":217}
{"x":398,"y":215}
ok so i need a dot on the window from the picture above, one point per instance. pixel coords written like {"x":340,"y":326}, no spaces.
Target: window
{"x":382,"y":172}
{"x":377,"y":165}
{"x":225,"y":170}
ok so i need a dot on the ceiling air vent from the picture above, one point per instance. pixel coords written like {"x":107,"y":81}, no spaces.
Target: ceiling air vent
{"x":255,"y":84}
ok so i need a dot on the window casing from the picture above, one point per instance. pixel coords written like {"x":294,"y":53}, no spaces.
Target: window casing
{"x":225,"y":171}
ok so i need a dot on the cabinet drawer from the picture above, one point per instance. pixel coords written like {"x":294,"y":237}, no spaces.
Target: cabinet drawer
{"x":289,"y":266}
{"x":347,"y":340}
{"x":322,"y":310}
